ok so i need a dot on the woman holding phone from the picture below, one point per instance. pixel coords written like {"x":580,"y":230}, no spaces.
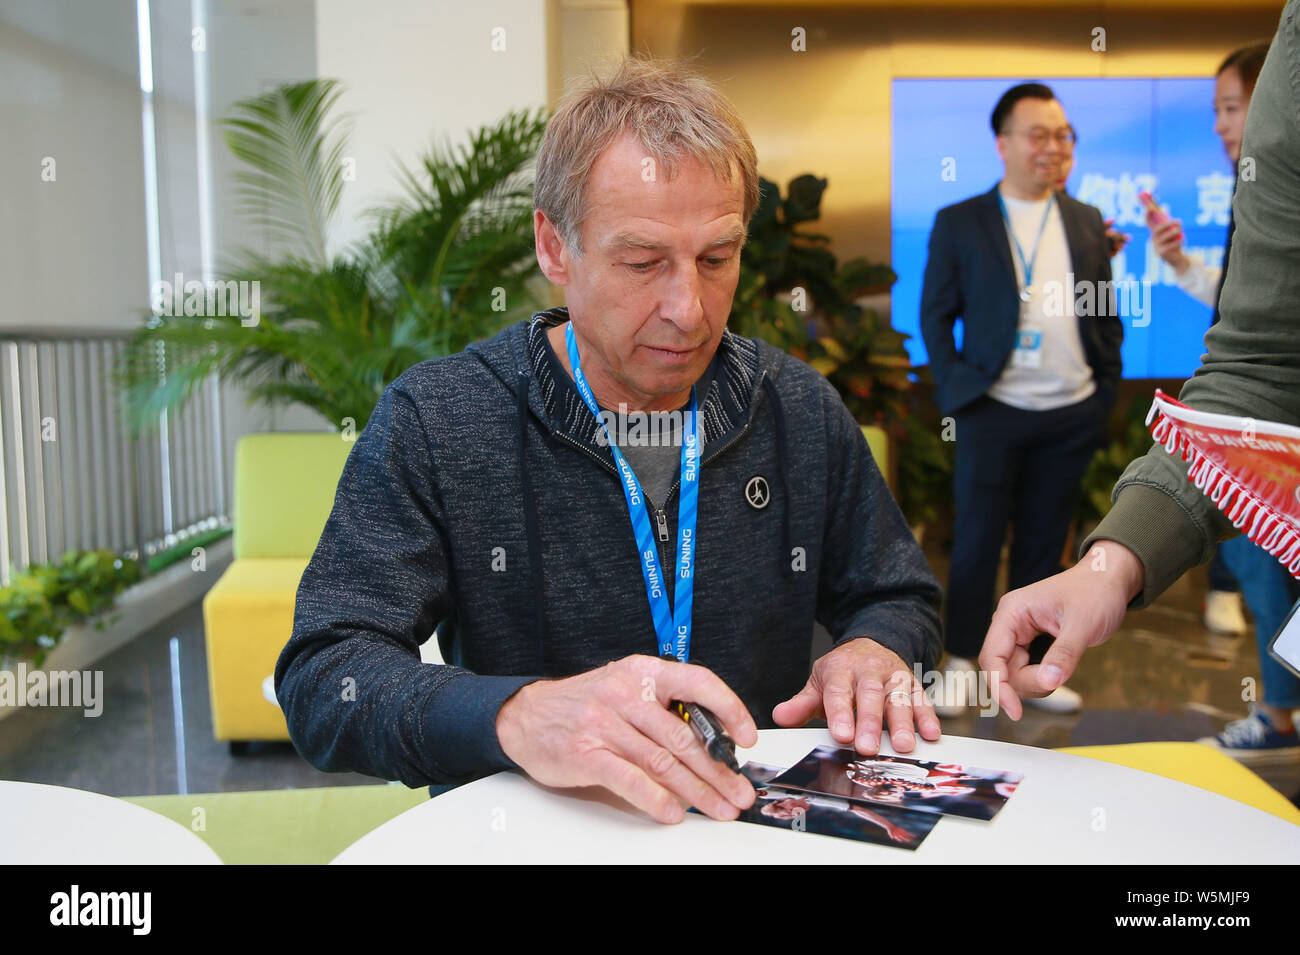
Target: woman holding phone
{"x":1233,"y":84}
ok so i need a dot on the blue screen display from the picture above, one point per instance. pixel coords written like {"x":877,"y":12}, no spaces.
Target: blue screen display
{"x":1134,"y":134}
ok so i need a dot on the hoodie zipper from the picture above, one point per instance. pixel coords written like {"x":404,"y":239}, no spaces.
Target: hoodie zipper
{"x":705,"y":460}
{"x":661,"y":516}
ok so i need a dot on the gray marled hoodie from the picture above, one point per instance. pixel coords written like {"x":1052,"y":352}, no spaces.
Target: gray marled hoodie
{"x":478,"y":501}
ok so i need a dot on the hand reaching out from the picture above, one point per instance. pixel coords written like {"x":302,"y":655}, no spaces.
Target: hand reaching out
{"x":1081,"y":607}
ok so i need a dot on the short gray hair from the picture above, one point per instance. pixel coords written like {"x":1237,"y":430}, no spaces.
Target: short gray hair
{"x":674,"y":112}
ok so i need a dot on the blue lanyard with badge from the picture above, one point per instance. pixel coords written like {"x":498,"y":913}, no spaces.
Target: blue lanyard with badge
{"x":672,"y":625}
{"x":1028,"y":352}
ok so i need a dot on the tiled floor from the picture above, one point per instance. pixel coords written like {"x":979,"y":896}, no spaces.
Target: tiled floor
{"x":1162,"y":677}
{"x":130,"y":749}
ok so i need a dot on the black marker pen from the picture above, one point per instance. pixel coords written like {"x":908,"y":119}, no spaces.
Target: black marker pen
{"x":708,"y":730}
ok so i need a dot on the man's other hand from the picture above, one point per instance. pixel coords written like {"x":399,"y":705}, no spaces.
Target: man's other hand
{"x":1116,"y":238}
{"x":1080,"y":607}
{"x":611,"y":727}
{"x":864,"y":677}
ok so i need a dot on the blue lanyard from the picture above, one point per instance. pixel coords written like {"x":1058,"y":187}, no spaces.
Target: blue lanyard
{"x":672,"y":626}
{"x":1026,"y":265}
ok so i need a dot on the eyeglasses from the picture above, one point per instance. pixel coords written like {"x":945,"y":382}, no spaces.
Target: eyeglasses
{"x":1038,"y":136}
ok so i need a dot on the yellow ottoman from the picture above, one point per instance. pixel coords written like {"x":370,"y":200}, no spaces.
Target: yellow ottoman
{"x":248,"y":616}
{"x":284,"y":489}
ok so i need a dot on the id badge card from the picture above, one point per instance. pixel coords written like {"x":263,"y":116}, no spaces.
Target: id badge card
{"x":1029,"y":347}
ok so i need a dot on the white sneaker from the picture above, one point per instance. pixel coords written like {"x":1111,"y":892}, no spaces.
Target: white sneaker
{"x":1061,"y":700}
{"x":955,"y":691}
{"x":1223,"y":614}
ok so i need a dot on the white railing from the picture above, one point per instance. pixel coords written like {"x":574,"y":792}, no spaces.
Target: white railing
{"x":72,"y":477}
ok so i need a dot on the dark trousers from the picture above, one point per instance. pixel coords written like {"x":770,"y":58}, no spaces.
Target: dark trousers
{"x":1018,"y":467}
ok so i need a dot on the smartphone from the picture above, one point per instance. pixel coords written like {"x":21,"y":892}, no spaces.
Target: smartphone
{"x":1155,"y":215}
{"x":1285,"y":645}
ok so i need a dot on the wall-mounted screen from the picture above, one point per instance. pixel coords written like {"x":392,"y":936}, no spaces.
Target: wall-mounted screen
{"x":1134,"y":134}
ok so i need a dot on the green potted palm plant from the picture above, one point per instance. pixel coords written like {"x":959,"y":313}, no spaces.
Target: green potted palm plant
{"x":794,"y":293}
{"x":446,"y":265}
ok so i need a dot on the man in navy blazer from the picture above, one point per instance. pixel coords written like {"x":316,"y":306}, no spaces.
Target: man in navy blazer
{"x":1026,"y":269}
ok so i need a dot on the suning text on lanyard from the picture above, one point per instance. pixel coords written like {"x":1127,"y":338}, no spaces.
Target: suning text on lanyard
{"x":672,"y":626}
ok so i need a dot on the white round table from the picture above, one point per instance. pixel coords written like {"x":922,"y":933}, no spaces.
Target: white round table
{"x":54,"y":825}
{"x":1068,"y":809}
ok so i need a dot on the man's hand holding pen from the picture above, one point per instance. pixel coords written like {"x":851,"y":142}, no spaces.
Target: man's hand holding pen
{"x":612,"y":727}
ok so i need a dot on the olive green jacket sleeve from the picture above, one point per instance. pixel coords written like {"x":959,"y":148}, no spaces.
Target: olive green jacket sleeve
{"x":1252,"y":367}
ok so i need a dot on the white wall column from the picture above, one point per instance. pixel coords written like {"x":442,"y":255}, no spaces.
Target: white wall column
{"x":419,"y":72}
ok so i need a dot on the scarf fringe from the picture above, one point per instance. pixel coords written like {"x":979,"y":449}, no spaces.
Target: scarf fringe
{"x":1259,"y":521}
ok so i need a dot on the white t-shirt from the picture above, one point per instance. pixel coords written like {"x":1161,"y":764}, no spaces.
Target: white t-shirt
{"x":1049,"y":368}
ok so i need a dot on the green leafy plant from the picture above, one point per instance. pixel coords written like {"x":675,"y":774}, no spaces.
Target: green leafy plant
{"x":41,"y":602}
{"x":925,"y":466}
{"x":1130,"y":439}
{"x":784,"y":266}
{"x":447,"y":265}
